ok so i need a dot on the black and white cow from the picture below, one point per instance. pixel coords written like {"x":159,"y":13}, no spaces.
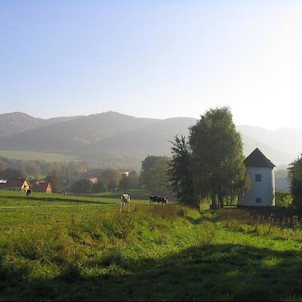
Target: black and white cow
{"x":163,"y":200}
{"x":125,"y":199}
{"x":153,"y":198}
{"x":159,"y":199}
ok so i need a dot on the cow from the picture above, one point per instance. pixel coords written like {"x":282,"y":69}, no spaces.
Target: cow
{"x":163,"y":200}
{"x":153,"y":198}
{"x":125,"y":199}
{"x":28,"y":192}
{"x":159,"y":199}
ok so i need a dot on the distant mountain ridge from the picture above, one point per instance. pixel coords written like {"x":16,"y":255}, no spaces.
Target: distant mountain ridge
{"x":110,"y":134}
{"x":17,"y":122}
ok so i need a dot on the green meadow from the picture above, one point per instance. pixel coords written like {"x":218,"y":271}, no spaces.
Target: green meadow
{"x":73,"y":248}
{"x":30,"y":155}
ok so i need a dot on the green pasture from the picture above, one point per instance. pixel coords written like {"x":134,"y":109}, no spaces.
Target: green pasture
{"x":31,"y":155}
{"x":74,"y":248}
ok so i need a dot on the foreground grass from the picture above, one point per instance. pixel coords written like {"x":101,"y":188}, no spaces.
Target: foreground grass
{"x":72,"y":248}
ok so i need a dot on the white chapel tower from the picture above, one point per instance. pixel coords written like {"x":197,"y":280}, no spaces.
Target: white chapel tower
{"x":261,"y":173}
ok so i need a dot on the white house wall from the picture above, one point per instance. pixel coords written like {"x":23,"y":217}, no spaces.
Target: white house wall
{"x":261,"y":193}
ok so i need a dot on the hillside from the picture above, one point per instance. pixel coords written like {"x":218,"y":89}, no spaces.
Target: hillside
{"x":100,"y":136}
{"x":110,"y":135}
{"x":274,"y":144}
{"x":18,"y":122}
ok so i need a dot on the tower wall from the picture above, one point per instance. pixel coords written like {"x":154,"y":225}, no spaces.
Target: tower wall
{"x":262,"y":190}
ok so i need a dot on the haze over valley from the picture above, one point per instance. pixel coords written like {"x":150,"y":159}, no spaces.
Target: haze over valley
{"x":112,"y":135}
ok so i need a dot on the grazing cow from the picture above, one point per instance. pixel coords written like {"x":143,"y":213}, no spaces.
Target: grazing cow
{"x":28,"y":192}
{"x":163,"y":200}
{"x":153,"y":198}
{"x":125,"y":199}
{"x":159,"y":199}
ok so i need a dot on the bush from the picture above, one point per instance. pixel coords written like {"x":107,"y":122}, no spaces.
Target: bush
{"x":283,"y":199}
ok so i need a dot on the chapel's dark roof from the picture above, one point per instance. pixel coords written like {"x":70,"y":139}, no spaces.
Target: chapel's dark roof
{"x":257,"y":159}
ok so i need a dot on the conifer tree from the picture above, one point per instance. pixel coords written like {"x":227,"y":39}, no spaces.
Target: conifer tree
{"x":180,"y":171}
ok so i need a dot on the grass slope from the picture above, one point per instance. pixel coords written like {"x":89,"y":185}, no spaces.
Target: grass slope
{"x":70,"y":248}
{"x":31,"y":155}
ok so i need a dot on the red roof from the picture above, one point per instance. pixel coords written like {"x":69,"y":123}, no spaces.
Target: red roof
{"x":41,"y":186}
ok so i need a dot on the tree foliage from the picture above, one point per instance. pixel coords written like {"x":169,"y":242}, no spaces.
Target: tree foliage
{"x":180,"y":171}
{"x":217,"y":152}
{"x":10,"y":172}
{"x":130,"y":181}
{"x":53,"y":178}
{"x":210,"y":165}
{"x":154,"y":174}
{"x":295,"y":177}
{"x":110,"y":178}
{"x":82,"y":186}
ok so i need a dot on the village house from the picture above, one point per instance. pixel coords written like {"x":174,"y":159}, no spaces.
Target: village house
{"x":93,"y":175}
{"x":15,"y":184}
{"x":41,"y":186}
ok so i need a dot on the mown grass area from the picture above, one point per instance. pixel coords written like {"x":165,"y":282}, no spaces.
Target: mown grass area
{"x":72,"y":248}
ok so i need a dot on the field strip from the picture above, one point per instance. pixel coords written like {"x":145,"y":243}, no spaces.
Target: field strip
{"x":53,"y":206}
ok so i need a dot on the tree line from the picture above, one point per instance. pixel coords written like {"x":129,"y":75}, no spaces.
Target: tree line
{"x":207,"y":165}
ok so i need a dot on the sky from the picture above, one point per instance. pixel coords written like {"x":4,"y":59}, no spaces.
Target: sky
{"x":155,"y":59}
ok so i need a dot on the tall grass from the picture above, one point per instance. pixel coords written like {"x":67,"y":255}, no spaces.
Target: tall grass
{"x":79,"y":248}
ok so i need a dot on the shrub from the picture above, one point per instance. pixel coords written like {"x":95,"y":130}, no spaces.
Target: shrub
{"x":283,"y":199}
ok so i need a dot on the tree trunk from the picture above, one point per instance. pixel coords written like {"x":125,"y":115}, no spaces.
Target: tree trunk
{"x":220,"y":201}
{"x":214,"y":204}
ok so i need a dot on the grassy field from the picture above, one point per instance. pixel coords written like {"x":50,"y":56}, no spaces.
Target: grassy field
{"x":70,"y":248}
{"x":30,"y":155}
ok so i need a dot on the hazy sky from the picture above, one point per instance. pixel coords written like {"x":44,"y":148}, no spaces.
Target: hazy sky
{"x":155,"y":59}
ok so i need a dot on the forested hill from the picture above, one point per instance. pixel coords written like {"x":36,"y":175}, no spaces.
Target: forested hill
{"x":17,"y":122}
{"x":111,"y":134}
{"x":99,"y":136}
